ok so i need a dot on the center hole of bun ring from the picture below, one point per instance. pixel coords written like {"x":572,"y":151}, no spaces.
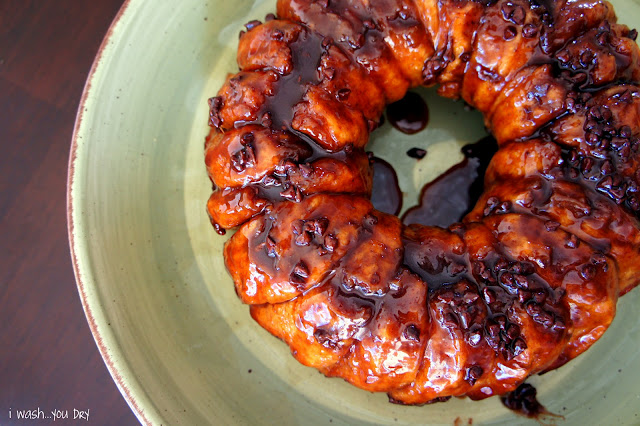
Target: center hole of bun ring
{"x":447,"y":198}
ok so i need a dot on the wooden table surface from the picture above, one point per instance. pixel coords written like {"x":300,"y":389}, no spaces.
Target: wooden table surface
{"x":48,"y":358}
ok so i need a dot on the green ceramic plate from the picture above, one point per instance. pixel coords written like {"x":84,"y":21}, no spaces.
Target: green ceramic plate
{"x":162,"y":308}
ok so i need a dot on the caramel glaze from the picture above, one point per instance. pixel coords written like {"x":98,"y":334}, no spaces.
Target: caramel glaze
{"x":530,"y":277}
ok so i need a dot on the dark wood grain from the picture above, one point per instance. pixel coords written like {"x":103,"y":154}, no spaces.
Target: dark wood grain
{"x":48,"y":359}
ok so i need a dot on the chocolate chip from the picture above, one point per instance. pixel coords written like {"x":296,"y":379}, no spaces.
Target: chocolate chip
{"x":526,"y":268}
{"x":518,"y":346}
{"x":252,"y":24}
{"x":450,"y":320}
{"x":446,"y":296}
{"x":513,"y":331}
{"x":286,"y":166}
{"x":329,"y":73}
{"x":325,"y":338}
{"x":625,"y":132}
{"x":432,"y":68}
{"x":518,"y":15}
{"x":297,"y":226}
{"x":469,"y":297}
{"x":603,"y":38}
{"x":348,"y":148}
{"x":508,"y":282}
{"x":501,"y":264}
{"x":245,"y":157}
{"x":306,"y":169}
{"x":219,"y":229}
{"x":357,"y":42}
{"x":330,"y":243}
{"x":277,"y":35}
{"x":509,"y":33}
{"x":489,"y":295}
{"x":292,"y":193}
{"x":370,"y":219}
{"x":456,"y":268}
{"x":304,"y":239}
{"x":588,"y":272}
{"x":540,"y":297}
{"x":474,"y":336}
{"x":270,"y":245}
{"x":524,"y":296}
{"x":529,"y":31}
{"x":572,"y":242}
{"x":551,"y":225}
{"x":492,"y":203}
{"x":412,"y":332}
{"x":493,"y":329}
{"x":533,"y":309}
{"x":369,"y":24}
{"x":215,"y":104}
{"x":606,"y":168}
{"x":266,"y":120}
{"x":270,"y":17}
{"x":320,"y":226}
{"x":559,"y":324}
{"x":521,"y":281}
{"x":271,"y":181}
{"x":586,"y":165}
{"x":586,"y":58}
{"x":513,"y":13}
{"x":504,"y":207}
{"x":300,"y":273}
{"x":465,"y":319}
{"x":343,"y":94}
{"x":473,"y":374}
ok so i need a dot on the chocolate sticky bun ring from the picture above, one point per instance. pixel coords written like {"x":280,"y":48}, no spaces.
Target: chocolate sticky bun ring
{"x":528,"y":280}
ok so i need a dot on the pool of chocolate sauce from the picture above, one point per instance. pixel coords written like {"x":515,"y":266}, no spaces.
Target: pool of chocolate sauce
{"x":524,"y":401}
{"x":449,"y":197}
{"x":386,"y":195}
{"x":409,"y":115}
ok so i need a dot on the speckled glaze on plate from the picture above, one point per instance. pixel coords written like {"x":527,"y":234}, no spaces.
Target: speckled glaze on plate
{"x":161,"y":306}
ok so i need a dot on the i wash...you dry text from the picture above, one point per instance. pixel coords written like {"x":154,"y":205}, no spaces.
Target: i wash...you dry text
{"x":39,"y":414}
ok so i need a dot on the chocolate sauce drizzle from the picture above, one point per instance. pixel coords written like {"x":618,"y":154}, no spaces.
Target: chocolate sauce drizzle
{"x":278,"y":110}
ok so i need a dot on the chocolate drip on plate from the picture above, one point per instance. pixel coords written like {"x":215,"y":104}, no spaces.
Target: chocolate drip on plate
{"x":453,"y":194}
{"x":409,"y":115}
{"x":386,"y":195}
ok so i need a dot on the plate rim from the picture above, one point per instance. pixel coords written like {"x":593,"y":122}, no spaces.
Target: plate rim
{"x":92,"y":308}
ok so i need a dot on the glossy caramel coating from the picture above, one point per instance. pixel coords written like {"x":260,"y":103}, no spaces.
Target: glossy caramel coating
{"x":528,"y":280}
